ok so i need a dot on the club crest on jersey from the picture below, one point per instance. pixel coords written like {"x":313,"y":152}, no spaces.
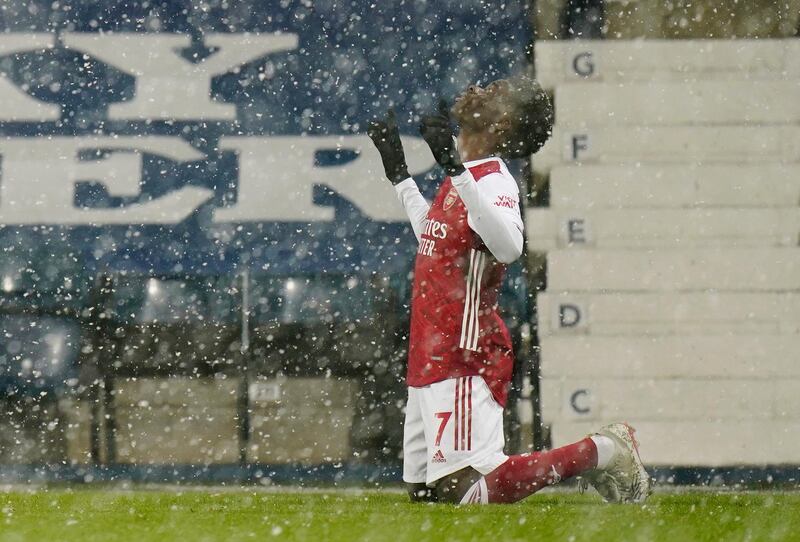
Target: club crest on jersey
{"x":450,"y":199}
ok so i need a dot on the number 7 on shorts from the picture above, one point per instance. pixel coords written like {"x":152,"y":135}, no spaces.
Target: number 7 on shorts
{"x":444,"y":417}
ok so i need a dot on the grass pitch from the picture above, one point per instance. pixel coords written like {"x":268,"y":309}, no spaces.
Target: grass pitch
{"x":209,"y":514}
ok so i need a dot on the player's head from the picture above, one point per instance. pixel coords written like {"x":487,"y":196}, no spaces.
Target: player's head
{"x":515,"y":115}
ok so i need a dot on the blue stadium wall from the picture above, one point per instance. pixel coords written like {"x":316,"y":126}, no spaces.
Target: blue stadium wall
{"x":91,"y":189}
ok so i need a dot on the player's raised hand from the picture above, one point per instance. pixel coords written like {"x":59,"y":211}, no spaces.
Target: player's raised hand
{"x":437,"y":131}
{"x":386,"y":137}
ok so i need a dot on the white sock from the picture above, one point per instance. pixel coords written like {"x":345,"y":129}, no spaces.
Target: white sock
{"x":605,"y":450}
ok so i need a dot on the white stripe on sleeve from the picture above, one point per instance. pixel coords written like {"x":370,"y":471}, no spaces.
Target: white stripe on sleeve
{"x":477,"y":304}
{"x":467,"y":298}
{"x":470,"y":324}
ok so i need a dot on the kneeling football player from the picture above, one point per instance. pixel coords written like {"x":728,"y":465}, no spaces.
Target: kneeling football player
{"x":460,"y":355}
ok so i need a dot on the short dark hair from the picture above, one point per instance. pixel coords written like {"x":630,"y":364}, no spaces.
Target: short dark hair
{"x":532,"y":118}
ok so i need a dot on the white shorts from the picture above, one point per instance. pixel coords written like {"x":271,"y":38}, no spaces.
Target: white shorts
{"x":451,"y":425}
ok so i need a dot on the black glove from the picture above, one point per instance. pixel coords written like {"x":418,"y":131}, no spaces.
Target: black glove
{"x":437,"y":132}
{"x":386,"y":137}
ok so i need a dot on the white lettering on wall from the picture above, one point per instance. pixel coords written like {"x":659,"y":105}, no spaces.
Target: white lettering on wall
{"x":277,"y":176}
{"x":39,"y":177}
{"x":167,"y":85}
{"x":15,"y":105}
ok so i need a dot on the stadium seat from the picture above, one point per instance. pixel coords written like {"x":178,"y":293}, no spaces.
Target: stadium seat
{"x":38,"y":354}
{"x":175,"y":325}
{"x":647,"y":185}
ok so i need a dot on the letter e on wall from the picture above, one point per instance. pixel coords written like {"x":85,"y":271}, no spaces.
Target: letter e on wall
{"x":574,"y":231}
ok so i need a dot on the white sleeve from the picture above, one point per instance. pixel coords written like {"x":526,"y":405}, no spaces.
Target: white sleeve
{"x":415,"y":205}
{"x":493,"y":212}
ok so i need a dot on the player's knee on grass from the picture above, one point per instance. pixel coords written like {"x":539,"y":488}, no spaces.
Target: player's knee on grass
{"x":420,"y":493}
{"x":452,"y":488}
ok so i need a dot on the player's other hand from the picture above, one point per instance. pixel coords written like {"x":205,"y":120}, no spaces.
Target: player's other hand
{"x":437,"y":131}
{"x":386,"y":137}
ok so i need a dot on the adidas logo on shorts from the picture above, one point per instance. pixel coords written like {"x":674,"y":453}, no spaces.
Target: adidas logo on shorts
{"x":438,"y":457}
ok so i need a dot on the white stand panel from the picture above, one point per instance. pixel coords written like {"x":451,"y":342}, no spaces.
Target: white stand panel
{"x":549,"y":229}
{"x":582,"y":399}
{"x":673,"y":267}
{"x":665,"y":60}
{"x":671,"y":185}
{"x":669,"y":145}
{"x":770,"y":269}
{"x":653,"y":314}
{"x":751,"y":357}
{"x":685,"y":103}
{"x":701,"y":443}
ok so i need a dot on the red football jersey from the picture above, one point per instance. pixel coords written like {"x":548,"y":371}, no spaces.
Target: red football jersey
{"x":455,"y":327}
